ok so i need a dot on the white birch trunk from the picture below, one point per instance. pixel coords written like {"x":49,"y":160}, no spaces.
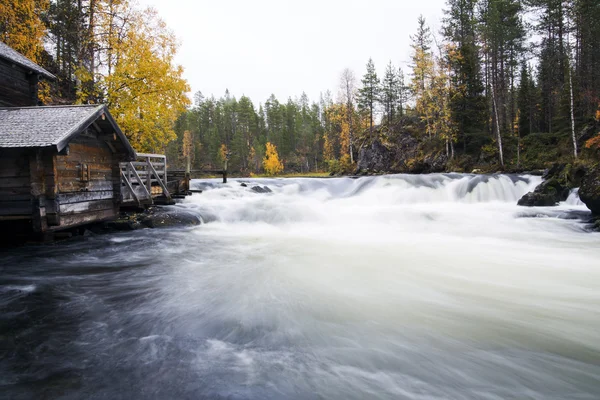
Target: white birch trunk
{"x":497,"y":127}
{"x":572,"y":115}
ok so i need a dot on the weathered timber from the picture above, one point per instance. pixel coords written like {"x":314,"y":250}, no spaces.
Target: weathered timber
{"x":19,"y":78}
{"x":144,"y":180}
{"x":61,"y":180}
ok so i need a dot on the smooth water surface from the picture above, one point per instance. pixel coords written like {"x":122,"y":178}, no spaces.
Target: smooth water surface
{"x":394,"y":287}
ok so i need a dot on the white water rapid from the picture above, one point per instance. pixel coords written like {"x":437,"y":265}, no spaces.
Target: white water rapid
{"x":392,"y":287}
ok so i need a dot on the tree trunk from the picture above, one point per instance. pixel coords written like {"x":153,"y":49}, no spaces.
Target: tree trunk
{"x":572,"y":115}
{"x":499,"y":135}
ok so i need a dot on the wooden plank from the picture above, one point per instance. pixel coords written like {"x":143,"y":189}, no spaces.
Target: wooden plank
{"x":15,"y":208}
{"x":68,"y":198}
{"x":141,"y":183}
{"x":14,"y":182}
{"x":72,"y":220}
{"x":14,"y":217}
{"x":75,"y":166}
{"x":160,"y":182}
{"x":128,"y":185}
{"x":85,"y":206}
{"x":145,"y":155}
{"x":14,"y":164}
{"x":70,"y":186}
{"x":74,"y":175}
{"x":14,"y":197}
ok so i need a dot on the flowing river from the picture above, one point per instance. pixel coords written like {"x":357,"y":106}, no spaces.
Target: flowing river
{"x":394,"y":287}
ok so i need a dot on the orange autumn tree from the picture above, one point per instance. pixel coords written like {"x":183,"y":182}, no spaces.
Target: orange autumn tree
{"x":594,"y":143}
{"x":271,"y":162}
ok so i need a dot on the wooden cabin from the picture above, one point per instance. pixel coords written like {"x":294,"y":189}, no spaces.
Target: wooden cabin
{"x":60,"y":165}
{"x":19,"y":77}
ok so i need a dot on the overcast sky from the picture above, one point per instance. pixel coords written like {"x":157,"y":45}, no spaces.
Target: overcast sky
{"x":283,"y":47}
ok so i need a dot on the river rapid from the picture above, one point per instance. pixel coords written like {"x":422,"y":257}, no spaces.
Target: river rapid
{"x":394,"y":287}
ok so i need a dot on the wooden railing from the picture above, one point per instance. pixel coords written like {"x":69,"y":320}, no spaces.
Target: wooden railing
{"x":144,"y":179}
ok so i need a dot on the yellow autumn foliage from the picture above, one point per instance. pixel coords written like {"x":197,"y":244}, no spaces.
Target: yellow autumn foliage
{"x":223,"y":152}
{"x":21,"y":26}
{"x":146,"y":91}
{"x":271,"y":162}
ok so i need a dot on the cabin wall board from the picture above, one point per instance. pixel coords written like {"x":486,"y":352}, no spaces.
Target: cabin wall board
{"x":15,"y":186}
{"x":17,"y":87}
{"x":86,"y":181}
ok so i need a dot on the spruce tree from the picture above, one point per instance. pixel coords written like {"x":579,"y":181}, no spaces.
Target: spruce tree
{"x":368,"y":95}
{"x":467,"y":101}
{"x":390,"y":93}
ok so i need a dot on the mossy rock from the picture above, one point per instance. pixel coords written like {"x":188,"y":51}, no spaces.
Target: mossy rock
{"x":589,"y":192}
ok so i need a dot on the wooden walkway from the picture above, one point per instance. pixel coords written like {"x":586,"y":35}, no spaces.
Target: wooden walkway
{"x":145,"y":181}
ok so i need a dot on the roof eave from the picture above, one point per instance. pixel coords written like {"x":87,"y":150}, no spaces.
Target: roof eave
{"x":132,"y":154}
{"x":102,"y":109}
{"x":41,"y":72}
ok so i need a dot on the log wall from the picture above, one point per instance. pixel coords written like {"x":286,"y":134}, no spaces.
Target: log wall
{"x":88,"y":182}
{"x":17,"y":87}
{"x":15,"y":186}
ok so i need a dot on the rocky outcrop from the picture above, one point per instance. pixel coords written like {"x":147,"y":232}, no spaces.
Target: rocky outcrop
{"x":375,"y":157}
{"x":589,"y":191}
{"x":556,"y":186}
{"x":406,"y":154}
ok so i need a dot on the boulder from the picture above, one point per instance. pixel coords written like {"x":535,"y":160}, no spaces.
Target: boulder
{"x":169,"y":218}
{"x":589,"y":191}
{"x":264,"y":189}
{"x":538,"y":199}
{"x":556,"y":186}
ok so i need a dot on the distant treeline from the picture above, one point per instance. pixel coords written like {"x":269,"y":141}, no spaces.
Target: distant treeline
{"x":497,"y":72}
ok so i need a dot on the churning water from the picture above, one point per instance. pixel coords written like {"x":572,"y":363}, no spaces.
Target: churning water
{"x":397,"y":287}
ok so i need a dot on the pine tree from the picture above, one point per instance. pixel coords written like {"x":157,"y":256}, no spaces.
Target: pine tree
{"x":422,"y":66}
{"x":368,"y":95}
{"x":467,"y":100}
{"x":390,"y":94}
{"x":503,"y":36}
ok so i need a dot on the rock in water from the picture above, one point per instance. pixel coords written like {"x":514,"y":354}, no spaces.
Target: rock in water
{"x":264,"y":189}
{"x":589,"y":192}
{"x":537,"y":199}
{"x":557,"y":184}
{"x":243,"y":185}
{"x":170,"y":218}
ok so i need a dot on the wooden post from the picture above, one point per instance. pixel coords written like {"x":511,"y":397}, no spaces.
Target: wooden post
{"x":164,"y":159}
{"x":188,"y":173}
{"x":225,"y":171}
{"x":38,"y":191}
{"x":149,"y":175}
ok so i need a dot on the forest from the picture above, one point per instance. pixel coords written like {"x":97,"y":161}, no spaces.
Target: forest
{"x":504,"y":85}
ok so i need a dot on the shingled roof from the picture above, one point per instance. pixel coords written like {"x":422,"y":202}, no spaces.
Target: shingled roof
{"x":15,"y":57}
{"x":51,"y":126}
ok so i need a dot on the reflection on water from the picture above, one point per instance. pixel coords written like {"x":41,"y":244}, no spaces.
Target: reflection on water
{"x":400,"y":287}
